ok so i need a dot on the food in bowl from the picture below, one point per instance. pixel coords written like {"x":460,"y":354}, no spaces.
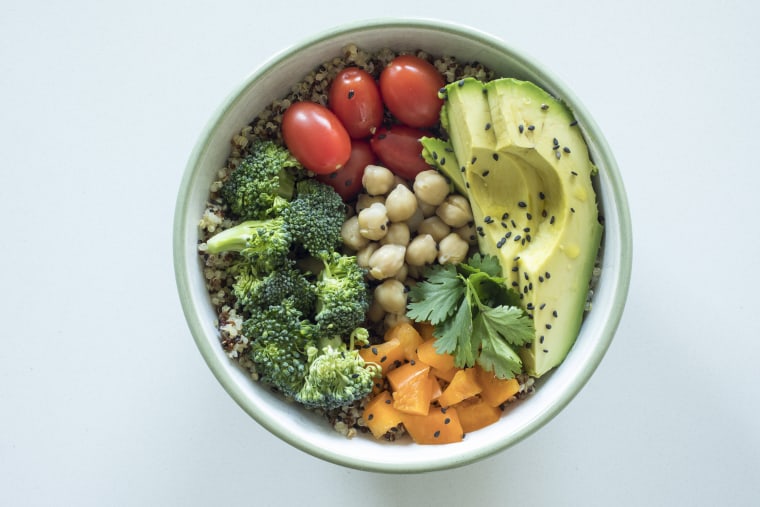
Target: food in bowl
{"x":445,"y":286}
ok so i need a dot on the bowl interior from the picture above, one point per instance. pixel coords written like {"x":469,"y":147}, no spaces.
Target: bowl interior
{"x":306,"y":431}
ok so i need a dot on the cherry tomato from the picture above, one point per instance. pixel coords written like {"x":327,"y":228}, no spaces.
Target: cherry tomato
{"x":409,"y":88}
{"x":355,"y":98}
{"x":347,"y":180}
{"x":315,"y":137}
{"x":399,"y":149}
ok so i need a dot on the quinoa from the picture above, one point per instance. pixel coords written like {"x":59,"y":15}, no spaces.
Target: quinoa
{"x":217,"y":270}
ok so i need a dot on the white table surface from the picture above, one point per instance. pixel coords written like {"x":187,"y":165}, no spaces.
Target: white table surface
{"x":104,"y":398}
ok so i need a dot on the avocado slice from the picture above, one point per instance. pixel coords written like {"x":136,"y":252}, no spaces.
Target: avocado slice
{"x":527,"y":173}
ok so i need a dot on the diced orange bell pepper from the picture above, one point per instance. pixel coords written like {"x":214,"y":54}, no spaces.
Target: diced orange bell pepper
{"x":436,"y":390}
{"x":380,"y":416}
{"x":426,"y":330}
{"x":414,"y":396}
{"x":408,"y":336}
{"x":475,"y":414}
{"x":387,"y":354}
{"x":439,"y":426}
{"x":464,"y":385}
{"x":495,"y":390}
{"x":398,"y":377}
{"x":446,"y":375}
{"x":428,"y":355}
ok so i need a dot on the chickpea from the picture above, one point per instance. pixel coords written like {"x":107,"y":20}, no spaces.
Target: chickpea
{"x":422,"y":250}
{"x":394,"y":319}
{"x":435,"y":227}
{"x":431,"y":187}
{"x":363,"y":255}
{"x":364,"y":201}
{"x":391,"y":296}
{"x":375,"y":312}
{"x":452,"y":249}
{"x":350,"y":234}
{"x":402,"y":273}
{"x":455,"y":210}
{"x":415,"y":220}
{"x":468,"y":233}
{"x":428,"y":210}
{"x":373,"y":221}
{"x":386,"y":261}
{"x":398,"y":234}
{"x":377,"y":180}
{"x":400,"y":203}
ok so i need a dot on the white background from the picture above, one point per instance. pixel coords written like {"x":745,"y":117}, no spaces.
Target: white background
{"x":104,"y":398}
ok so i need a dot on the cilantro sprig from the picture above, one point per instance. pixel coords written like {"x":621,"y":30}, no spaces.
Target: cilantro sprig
{"x":476,"y":317}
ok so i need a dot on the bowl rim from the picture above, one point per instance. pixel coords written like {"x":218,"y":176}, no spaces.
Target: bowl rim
{"x":623,"y":263}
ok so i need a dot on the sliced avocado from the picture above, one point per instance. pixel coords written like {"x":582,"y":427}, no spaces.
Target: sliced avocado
{"x":440,"y":154}
{"x":527,"y":173}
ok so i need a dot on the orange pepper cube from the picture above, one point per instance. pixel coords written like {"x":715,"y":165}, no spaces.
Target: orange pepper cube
{"x":386,"y":354}
{"x":439,"y":426}
{"x":409,"y":337}
{"x":407,"y":372}
{"x":414,"y":396}
{"x":428,"y":355}
{"x":380,"y":416}
{"x":475,"y":414}
{"x":464,"y":385}
{"x":496,"y":390}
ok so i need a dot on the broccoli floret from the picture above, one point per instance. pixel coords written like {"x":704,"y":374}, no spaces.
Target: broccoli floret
{"x":263,"y":182}
{"x":343,"y":295}
{"x":255,"y":292}
{"x":280,"y":340}
{"x":337,"y":375}
{"x":264,"y":243}
{"x":315,"y":217}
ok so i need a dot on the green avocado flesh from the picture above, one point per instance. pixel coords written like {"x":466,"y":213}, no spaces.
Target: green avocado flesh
{"x":519,"y":156}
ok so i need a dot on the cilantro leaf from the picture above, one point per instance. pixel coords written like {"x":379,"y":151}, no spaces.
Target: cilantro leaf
{"x":508,"y":323}
{"x":495,"y":355}
{"x":487,"y":264}
{"x":453,"y":336}
{"x":438,"y":297}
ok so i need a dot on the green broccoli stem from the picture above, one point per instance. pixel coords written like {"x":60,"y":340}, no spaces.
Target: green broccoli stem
{"x":237,"y":238}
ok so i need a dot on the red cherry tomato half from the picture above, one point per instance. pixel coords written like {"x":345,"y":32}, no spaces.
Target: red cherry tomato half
{"x":399,"y":149}
{"x":409,"y":88}
{"x":355,"y":98}
{"x":347,"y":180}
{"x":315,"y":137}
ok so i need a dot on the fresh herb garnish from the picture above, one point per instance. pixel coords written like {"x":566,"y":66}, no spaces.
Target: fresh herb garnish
{"x":475,"y":315}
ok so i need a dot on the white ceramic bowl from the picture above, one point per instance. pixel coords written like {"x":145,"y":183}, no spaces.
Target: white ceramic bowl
{"x":311,"y":433}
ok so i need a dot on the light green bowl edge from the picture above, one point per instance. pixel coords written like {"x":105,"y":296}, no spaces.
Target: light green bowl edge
{"x":603,"y":155}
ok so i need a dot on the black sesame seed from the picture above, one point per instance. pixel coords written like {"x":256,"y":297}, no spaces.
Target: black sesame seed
{"x":521,"y":128}
{"x":508,"y":234}
{"x":474,"y":159}
{"x":350,"y":94}
{"x":543,"y":305}
{"x":388,"y":401}
{"x":501,"y":242}
{"x":543,"y":213}
{"x":383,"y":359}
{"x":518,"y":237}
{"x":551,"y":220}
{"x":505,"y":216}
{"x":461,"y":169}
{"x":446,"y":421}
{"x":515,"y":269}
{"x":566,"y":149}
{"x":540,"y":278}
{"x":435,"y":155}
{"x":495,"y":156}
{"x":530,"y":306}
{"x":528,"y":216}
{"x":487,"y":219}
{"x":554,"y":313}
{"x":370,"y":417}
{"x":515,"y":284}
{"x":479,"y":228}
{"x":443,"y":161}
{"x":437,"y":433}
{"x":544,"y":107}
{"x":541,"y":196}
{"x":531,"y":127}
{"x":546,"y":351}
{"x":504,"y":224}
{"x":374,"y":350}
{"x":486,"y":173}
{"x":555,"y":142}
{"x":488,"y":126}
{"x":513,"y":223}
{"x":548,"y":326}
{"x":574,"y":173}
{"x":527,"y":237}
{"x":522,"y":204}
{"x":541,"y":339}
{"x":525,"y":274}
{"x":558,"y":154}
{"x":572,"y":209}
{"x":574,"y":123}
{"x":516,"y":258}
{"x":547,"y":275}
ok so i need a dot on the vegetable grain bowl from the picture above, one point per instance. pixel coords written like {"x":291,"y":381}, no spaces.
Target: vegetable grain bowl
{"x":402,"y":246}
